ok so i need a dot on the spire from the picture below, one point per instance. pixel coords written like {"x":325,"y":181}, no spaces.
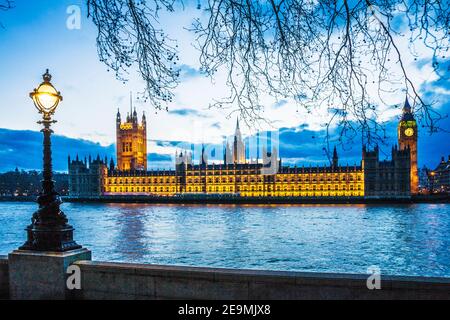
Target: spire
{"x":237,"y":123}
{"x":203,"y":160}
{"x":224,"y":150}
{"x":407,"y":106}
{"x":407,"y":111}
{"x":118,"y":118}
{"x":257,"y":146}
{"x":131,"y":103}
{"x":111,"y":164}
{"x":335,"y":157}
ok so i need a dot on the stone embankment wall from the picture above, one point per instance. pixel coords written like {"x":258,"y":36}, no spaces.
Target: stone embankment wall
{"x":4,"y":281}
{"x":103,"y":280}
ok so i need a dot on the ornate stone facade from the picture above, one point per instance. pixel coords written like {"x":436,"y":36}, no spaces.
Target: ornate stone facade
{"x":131,"y":144}
{"x":238,"y":176}
{"x":407,"y":139}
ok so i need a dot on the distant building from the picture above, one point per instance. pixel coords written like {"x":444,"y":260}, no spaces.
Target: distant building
{"x":29,"y":183}
{"x":372,"y":178}
{"x":440,"y":176}
{"x":424,"y":180}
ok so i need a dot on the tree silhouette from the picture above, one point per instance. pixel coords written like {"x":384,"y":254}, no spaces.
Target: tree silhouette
{"x":20,"y":182}
{"x":322,"y":54}
{"x":4,"y":6}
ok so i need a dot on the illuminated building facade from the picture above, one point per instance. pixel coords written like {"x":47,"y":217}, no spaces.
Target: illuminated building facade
{"x":407,"y":139}
{"x":440,"y":177}
{"x":238,"y":176}
{"x":131,"y":144}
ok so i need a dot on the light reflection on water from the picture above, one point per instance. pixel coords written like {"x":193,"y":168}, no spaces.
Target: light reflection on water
{"x":400,"y":239}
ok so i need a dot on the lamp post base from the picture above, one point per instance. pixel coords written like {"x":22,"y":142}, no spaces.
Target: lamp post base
{"x":49,"y":230}
{"x":42,"y":275}
{"x":57,"y":239}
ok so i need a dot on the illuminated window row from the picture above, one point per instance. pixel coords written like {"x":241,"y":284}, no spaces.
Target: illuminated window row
{"x":142,"y":189}
{"x":141,"y":180}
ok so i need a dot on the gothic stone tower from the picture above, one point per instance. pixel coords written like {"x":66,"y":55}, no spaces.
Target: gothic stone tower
{"x":407,"y":137}
{"x":131,"y":142}
{"x":238,"y":146}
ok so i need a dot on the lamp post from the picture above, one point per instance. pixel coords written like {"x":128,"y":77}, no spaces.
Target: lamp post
{"x":432,"y":182}
{"x":49,"y":230}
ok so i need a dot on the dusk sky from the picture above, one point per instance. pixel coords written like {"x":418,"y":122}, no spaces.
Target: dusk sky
{"x":35,"y":37}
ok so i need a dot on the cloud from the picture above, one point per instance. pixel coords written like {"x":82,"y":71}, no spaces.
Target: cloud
{"x":302,"y":146}
{"x":188,"y":72}
{"x":186,"y":112}
{"x":216,"y":125}
{"x":280,"y":104}
{"x":167,"y":143}
{"x":297,"y":145}
{"x":23,"y":149}
{"x":432,"y":146}
{"x":159,"y":157}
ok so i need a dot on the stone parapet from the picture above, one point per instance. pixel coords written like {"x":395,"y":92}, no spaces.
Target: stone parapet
{"x":105,"y":280}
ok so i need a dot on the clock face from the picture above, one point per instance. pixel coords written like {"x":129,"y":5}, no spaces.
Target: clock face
{"x":409,"y":132}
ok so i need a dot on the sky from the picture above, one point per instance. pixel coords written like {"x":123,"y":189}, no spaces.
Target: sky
{"x":35,"y":37}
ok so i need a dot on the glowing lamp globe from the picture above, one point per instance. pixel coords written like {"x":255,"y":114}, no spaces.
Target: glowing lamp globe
{"x":46,"y":98}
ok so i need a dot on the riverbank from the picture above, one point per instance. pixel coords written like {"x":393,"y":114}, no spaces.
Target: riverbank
{"x":126,"y":281}
{"x":18,"y":198}
{"x":230,"y":199}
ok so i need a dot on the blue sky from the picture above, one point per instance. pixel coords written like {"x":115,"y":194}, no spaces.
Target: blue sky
{"x":35,"y":37}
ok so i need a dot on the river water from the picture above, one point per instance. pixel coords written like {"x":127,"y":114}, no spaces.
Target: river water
{"x":398,"y":239}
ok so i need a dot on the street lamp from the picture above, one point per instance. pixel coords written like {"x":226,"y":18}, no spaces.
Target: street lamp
{"x":49,"y":230}
{"x":432,"y":182}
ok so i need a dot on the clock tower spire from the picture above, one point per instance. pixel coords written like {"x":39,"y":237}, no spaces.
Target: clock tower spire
{"x":407,"y":139}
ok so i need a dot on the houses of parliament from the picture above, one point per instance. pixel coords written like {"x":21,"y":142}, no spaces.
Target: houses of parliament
{"x":235,"y":175}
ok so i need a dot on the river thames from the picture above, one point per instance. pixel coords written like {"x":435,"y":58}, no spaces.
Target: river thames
{"x":399,"y":239}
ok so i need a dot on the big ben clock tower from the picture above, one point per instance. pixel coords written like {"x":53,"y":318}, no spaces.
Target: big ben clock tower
{"x":407,"y":137}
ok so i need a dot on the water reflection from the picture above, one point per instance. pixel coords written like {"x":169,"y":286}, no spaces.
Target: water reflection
{"x":130,"y":240}
{"x":236,"y":226}
{"x":400,"y":239}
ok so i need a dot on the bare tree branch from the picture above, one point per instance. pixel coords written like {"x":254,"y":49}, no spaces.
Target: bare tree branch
{"x":4,"y":6}
{"x":324,"y":54}
{"x":127,"y":35}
